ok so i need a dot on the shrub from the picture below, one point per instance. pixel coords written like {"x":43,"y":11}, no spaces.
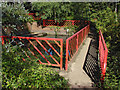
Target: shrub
{"x":18,"y":74}
{"x":41,"y":77}
{"x":105,"y":19}
{"x":14,"y":18}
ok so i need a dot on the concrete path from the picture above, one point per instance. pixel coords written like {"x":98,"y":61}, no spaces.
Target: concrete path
{"x":83,"y":69}
{"x":92,"y":64}
{"x":76,"y":75}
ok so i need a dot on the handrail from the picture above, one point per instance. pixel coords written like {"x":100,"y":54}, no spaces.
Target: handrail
{"x":37,"y":52}
{"x":103,"y":52}
{"x":71,"y":48}
{"x":77,"y":40}
{"x":40,"y":38}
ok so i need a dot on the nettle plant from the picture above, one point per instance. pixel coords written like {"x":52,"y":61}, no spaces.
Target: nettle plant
{"x":14,"y":18}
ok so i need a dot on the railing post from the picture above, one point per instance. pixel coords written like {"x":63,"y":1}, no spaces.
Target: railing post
{"x":82,"y":36}
{"x":88,"y":26}
{"x":77,"y":43}
{"x":66,"y":62}
{"x":61,"y":53}
{"x":103,"y":52}
{"x":85,"y":32}
{"x":100,"y":50}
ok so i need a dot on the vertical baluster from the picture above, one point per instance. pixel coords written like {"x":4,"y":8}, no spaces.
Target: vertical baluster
{"x":61,"y":54}
{"x":66,"y":62}
{"x":77,"y":43}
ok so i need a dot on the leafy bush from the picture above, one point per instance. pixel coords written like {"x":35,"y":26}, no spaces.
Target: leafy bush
{"x":52,"y":10}
{"x":104,"y":18}
{"x":41,"y":77}
{"x":29,"y":74}
{"x":14,"y":18}
{"x":112,"y":37}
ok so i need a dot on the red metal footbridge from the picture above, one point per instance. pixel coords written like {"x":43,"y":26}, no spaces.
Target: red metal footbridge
{"x":55,"y":52}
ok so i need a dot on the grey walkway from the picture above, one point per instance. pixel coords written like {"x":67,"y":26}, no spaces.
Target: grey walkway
{"x":92,"y":65}
{"x":84,"y":69}
{"x":76,"y":75}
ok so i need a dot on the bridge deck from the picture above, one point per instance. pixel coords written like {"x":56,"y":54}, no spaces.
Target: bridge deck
{"x":84,"y":68}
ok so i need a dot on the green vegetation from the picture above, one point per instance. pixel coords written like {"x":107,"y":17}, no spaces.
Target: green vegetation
{"x":18,"y":74}
{"x":104,"y":17}
{"x":14,"y":19}
{"x":51,"y":10}
{"x":59,"y":10}
{"x":56,"y":30}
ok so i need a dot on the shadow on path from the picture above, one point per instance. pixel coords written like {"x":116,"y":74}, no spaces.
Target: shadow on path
{"x":91,"y":65}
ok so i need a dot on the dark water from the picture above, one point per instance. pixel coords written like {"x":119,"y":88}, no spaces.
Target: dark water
{"x":64,"y":37}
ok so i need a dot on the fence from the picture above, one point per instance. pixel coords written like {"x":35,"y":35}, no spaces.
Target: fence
{"x":103,"y":52}
{"x":61,"y":23}
{"x":64,"y":23}
{"x":73,"y":43}
{"x":48,"y":51}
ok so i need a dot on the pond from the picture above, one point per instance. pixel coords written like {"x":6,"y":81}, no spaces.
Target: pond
{"x":64,"y":37}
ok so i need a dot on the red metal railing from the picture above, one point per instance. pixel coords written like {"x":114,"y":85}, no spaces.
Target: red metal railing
{"x":103,"y":52}
{"x":54,"y":44}
{"x":64,"y":23}
{"x":73,"y":43}
{"x":39,"y":48}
